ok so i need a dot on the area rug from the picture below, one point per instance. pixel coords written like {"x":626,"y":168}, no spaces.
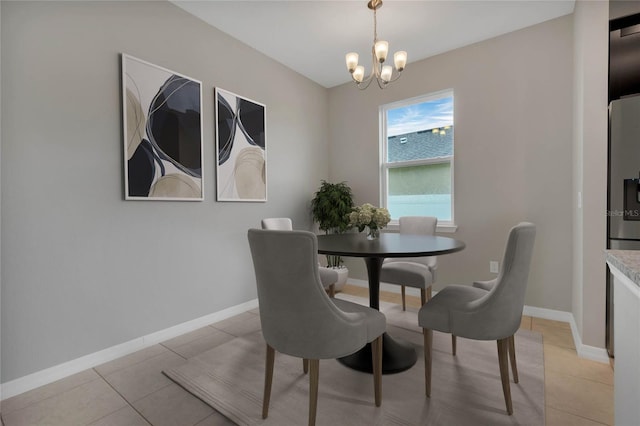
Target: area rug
{"x":466,"y":389}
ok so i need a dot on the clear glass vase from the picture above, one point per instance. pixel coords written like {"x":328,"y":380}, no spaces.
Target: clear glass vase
{"x":372,"y":233}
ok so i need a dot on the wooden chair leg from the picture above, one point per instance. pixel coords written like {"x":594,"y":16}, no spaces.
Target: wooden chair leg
{"x":503,"y":360}
{"x":428,"y":339}
{"x":429,"y":290}
{"x":423,"y":297}
{"x":404,"y":303}
{"x":313,"y":390}
{"x":454,"y":344}
{"x":376,"y":359}
{"x":332,"y":291}
{"x":268,"y":379}
{"x":512,"y":356}
{"x":305,"y":365}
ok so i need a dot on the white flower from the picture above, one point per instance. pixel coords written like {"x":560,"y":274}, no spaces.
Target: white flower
{"x":369,"y":215}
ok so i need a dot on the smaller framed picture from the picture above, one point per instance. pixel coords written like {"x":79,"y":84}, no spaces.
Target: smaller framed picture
{"x":162,"y":133}
{"x":241,"y":154}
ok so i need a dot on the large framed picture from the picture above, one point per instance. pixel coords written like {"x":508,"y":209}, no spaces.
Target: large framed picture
{"x":240,"y":148}
{"x":162,"y":117}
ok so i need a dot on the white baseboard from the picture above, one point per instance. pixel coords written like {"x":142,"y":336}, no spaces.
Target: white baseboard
{"x":584,"y":351}
{"x":49,"y":375}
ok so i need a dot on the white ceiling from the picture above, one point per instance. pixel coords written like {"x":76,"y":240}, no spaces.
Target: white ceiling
{"x":312,"y":37}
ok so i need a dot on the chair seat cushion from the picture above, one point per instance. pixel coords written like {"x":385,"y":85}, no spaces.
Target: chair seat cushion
{"x":375,"y":320}
{"x":407,"y":273}
{"x":436,"y":313}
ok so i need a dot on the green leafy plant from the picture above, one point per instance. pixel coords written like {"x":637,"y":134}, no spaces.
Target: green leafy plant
{"x":330,"y":207}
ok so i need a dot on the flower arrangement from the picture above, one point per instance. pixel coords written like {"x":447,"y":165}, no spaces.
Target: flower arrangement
{"x":367,"y":215}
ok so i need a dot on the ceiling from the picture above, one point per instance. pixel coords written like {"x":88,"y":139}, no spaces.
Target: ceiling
{"x":312,"y":37}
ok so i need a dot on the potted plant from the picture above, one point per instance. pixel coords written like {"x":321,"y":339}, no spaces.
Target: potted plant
{"x":330,"y":207}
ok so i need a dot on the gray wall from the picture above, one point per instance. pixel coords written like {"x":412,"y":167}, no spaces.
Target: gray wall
{"x":83,"y":270}
{"x":513,"y":150}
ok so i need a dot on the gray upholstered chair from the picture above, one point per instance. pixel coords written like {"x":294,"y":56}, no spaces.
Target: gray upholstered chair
{"x":418,"y":272}
{"x":479,"y":314}
{"x":297,"y":316}
{"x":328,"y":276}
{"x":488,"y":285}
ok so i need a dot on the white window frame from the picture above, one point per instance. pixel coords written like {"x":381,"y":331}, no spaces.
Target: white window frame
{"x":443,"y":226}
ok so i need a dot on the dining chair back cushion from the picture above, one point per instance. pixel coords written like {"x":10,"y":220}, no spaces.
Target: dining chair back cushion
{"x":277,"y":223}
{"x":328,"y":276}
{"x":486,"y":315}
{"x":421,"y":225}
{"x":297,"y":316}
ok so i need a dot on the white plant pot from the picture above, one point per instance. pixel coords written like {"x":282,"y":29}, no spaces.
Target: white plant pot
{"x":343,"y":274}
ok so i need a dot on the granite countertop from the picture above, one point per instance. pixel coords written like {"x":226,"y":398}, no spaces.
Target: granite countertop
{"x":627,"y":261}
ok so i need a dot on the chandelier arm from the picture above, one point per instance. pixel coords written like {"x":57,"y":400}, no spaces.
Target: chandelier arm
{"x":363,"y":85}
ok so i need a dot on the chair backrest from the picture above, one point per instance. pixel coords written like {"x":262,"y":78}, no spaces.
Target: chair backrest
{"x":278,"y":223}
{"x":502,"y":306}
{"x":297,"y":316}
{"x":422,"y":225}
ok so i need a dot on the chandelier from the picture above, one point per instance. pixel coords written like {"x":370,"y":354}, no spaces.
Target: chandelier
{"x":383,"y":74}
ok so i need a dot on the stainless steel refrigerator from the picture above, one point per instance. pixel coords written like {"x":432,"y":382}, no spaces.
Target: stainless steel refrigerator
{"x":623,"y":215}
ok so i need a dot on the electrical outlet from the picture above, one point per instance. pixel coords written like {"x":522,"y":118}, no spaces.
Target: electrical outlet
{"x":494,"y":267}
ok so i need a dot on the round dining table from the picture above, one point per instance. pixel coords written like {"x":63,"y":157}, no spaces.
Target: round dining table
{"x":397,"y":355}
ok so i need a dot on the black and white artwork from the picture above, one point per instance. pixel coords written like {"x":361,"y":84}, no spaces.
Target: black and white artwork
{"x":162,"y":133}
{"x":240,"y":148}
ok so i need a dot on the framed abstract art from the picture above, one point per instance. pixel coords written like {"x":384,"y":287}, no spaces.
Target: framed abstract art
{"x":240,"y":148}
{"x":162,"y":117}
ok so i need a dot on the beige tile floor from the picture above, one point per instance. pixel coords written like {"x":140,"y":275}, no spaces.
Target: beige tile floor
{"x":132,"y":390}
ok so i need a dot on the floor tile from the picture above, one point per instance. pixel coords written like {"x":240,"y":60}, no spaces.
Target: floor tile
{"x":173,"y":406}
{"x":78,"y":406}
{"x":239,"y":325}
{"x":216,"y":419}
{"x":126,"y":416}
{"x":580,"y":397}
{"x":199,"y":339}
{"x":566,"y":361}
{"x":129,"y":360}
{"x":209,"y":339}
{"x":525,"y":322}
{"x":553,"y":335}
{"x":550,"y":323}
{"x":25,"y":399}
{"x":556,"y":417}
{"x":144,"y":378}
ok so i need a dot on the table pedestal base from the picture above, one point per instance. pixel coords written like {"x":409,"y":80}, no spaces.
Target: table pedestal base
{"x":397,"y":356}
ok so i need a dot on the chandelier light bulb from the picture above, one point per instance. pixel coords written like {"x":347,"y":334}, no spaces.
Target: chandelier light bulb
{"x":352,"y":61}
{"x":385,"y":74}
{"x":400,"y":59}
{"x":358,"y":74}
{"x":382,"y":49}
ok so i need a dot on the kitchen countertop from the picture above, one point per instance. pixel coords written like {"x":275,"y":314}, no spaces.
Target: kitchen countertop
{"x":627,"y":261}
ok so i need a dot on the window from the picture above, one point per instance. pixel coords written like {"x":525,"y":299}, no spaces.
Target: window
{"x":417,"y":157}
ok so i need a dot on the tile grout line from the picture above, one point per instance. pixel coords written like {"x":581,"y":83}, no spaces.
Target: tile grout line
{"x":124,"y":399}
{"x":49,"y":397}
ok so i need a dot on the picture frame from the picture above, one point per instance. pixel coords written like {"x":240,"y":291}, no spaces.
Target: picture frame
{"x":162,"y":133}
{"x":241,"y":151}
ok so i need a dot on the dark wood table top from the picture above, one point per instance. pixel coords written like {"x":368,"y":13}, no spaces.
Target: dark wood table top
{"x":387,"y":245}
